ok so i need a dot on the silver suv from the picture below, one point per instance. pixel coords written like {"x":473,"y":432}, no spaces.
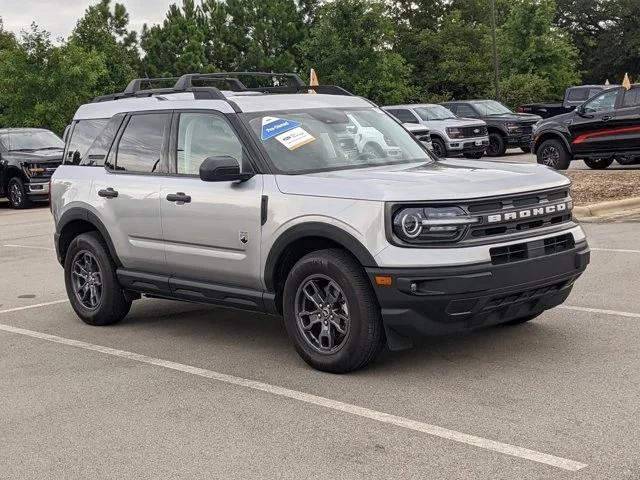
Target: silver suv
{"x":260,"y":199}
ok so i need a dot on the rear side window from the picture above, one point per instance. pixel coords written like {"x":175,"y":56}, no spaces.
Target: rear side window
{"x":578,"y":94}
{"x":465,"y":111}
{"x":404,"y":115}
{"x":99,"y":149}
{"x":140,"y":146}
{"x":83,"y":135}
{"x":631,"y":98}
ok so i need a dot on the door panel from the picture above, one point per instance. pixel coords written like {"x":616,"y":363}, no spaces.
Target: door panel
{"x":595,"y":129}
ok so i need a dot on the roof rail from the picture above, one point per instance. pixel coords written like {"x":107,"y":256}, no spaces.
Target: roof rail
{"x":199,"y":93}
{"x":324,"y":89}
{"x":185,"y":81}
{"x":136,"y":84}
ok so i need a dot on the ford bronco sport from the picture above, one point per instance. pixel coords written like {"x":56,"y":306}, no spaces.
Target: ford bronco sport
{"x":256,"y":198}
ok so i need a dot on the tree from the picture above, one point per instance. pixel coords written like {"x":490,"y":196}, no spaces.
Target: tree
{"x":41,"y":85}
{"x":7,"y":39}
{"x":350,"y":45}
{"x":520,"y":88}
{"x":104,"y":31}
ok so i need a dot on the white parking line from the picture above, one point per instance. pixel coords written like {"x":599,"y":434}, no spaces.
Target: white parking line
{"x":30,"y":247}
{"x":434,"y":430}
{"x":600,"y":310}
{"x":37,"y":305}
{"x":617,"y":250}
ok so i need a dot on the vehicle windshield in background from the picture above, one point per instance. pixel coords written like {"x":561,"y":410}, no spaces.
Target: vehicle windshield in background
{"x":299,"y":141}
{"x":490,"y":107}
{"x":434,"y":112}
{"x":33,"y":140}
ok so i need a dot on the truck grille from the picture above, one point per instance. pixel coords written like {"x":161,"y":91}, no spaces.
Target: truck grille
{"x":471,"y":132}
{"x":526,"y":128}
{"x":511,"y":215}
{"x":527,"y":250}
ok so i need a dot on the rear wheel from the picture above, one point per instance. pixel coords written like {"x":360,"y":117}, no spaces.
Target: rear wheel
{"x":497,"y":145}
{"x":331,"y":312}
{"x":91,"y":282}
{"x":17,"y":194}
{"x":554,"y":154}
{"x":598,"y":163}
{"x":439,"y":148}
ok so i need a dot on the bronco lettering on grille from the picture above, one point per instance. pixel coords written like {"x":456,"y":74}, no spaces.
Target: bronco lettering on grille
{"x":528,"y":213}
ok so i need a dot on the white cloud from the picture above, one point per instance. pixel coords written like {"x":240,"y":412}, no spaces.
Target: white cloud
{"x":59,"y":16}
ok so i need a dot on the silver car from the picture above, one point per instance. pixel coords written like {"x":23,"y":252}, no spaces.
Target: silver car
{"x":261,"y":199}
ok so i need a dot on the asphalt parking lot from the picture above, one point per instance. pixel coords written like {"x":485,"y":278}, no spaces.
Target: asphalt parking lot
{"x":516,"y":155}
{"x":188,"y":391}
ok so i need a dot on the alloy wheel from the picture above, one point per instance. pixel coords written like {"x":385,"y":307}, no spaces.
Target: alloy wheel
{"x":86,"y":278}
{"x":322,"y":314}
{"x":15,"y":194}
{"x":550,"y":156}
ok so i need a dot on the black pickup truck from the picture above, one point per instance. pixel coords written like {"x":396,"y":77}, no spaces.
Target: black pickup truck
{"x":506,"y":128}
{"x":28,"y":158}
{"x":573,"y":96}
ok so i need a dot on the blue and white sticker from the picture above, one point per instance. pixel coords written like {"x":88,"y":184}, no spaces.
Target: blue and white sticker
{"x":273,"y":126}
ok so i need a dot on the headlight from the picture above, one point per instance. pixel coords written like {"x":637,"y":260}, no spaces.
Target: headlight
{"x":453,"y":132}
{"x":33,"y":170}
{"x":419,"y":225}
{"x":513,"y":126}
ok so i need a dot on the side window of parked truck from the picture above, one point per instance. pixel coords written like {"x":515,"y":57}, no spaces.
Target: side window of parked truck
{"x":83,"y":134}
{"x":140,"y":147}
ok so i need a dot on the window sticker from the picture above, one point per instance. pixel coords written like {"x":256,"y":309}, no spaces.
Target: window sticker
{"x":295,"y":138}
{"x":273,"y":126}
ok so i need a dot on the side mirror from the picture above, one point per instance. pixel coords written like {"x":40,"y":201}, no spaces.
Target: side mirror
{"x":222,"y":168}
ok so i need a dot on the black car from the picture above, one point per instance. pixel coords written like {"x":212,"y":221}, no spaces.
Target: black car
{"x":28,"y":158}
{"x":603,"y":129}
{"x":507,"y":129}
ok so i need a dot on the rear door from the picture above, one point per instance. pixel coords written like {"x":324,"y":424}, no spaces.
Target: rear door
{"x":126,"y":192}
{"x":596,"y":125}
{"x":628,"y":122}
{"x":214,"y":236}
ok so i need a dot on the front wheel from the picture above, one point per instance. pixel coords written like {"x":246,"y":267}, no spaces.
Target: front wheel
{"x":439,"y":148}
{"x":554,"y":154}
{"x":91,"y":282}
{"x":598,"y":163}
{"x":17,"y":194}
{"x":331,"y":312}
{"x":497,"y":145}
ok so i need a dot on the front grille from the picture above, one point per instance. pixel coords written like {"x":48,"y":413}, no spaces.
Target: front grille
{"x":525,"y":128}
{"x":527,"y":250}
{"x":470,"y":132}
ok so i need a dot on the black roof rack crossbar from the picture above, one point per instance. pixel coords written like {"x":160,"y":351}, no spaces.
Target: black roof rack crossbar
{"x":186,"y":81}
{"x":135,"y":85}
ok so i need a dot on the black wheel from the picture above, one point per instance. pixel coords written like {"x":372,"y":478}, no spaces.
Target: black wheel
{"x":474,"y":156}
{"x":17,"y":193}
{"x":331,"y":312}
{"x":497,"y":145}
{"x":526,"y":149}
{"x":518,"y":321}
{"x":554,"y":154}
{"x":598,"y":163}
{"x":439,"y":148}
{"x":91,"y":282}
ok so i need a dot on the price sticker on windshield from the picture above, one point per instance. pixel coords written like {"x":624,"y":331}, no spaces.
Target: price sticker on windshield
{"x":273,"y":126}
{"x":295,"y":138}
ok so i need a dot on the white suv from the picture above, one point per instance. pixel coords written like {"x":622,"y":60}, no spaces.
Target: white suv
{"x":450,"y":135}
{"x":259,"y":199}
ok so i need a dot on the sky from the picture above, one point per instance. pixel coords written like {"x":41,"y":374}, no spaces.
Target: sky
{"x":59,"y":16}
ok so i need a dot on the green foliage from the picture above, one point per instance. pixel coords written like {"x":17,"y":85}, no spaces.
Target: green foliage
{"x":520,"y":88}
{"x":350,"y":45}
{"x":41,"y":85}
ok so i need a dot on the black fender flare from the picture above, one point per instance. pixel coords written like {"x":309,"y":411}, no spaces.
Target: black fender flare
{"x":547,"y":134}
{"x":314,"y":229}
{"x":78,"y":213}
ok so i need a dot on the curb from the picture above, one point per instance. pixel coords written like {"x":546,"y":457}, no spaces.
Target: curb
{"x":603,"y":209}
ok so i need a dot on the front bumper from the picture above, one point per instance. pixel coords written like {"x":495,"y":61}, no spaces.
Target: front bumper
{"x":37,"y":190}
{"x":519,"y":140}
{"x":464,"y":145}
{"x":443,"y":300}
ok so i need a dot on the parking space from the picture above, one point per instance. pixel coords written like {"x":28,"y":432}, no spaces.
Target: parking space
{"x":190,"y":391}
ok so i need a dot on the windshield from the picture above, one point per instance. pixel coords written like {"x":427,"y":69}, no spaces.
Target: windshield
{"x":490,"y":107}
{"x":434,"y":112}
{"x":34,"y":140}
{"x":300,"y":141}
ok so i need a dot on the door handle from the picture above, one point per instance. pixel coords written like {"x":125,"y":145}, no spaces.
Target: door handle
{"x":606,"y":118}
{"x":179,"y":197}
{"x":108,"y":193}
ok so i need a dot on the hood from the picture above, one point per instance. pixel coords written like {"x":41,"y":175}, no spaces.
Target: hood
{"x":523,"y":117}
{"x":40,"y":156}
{"x":442,"y":180}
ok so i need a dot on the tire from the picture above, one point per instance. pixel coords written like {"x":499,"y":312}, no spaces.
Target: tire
{"x":112,"y":304}
{"x":519,"y":321}
{"x":554,"y":154}
{"x":17,"y":194}
{"x":526,"y":149}
{"x":474,"y":156}
{"x":439,"y":148}
{"x":598,"y":163}
{"x":321,"y":344}
{"x":497,"y":145}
